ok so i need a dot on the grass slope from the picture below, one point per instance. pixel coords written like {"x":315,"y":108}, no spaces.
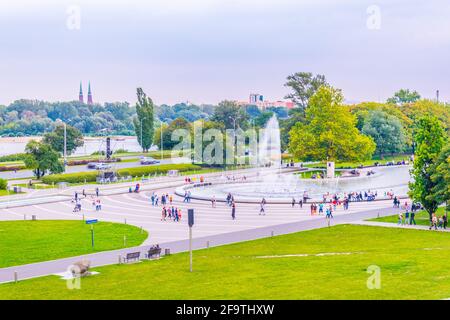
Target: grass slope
{"x":23,"y":242}
{"x":414,"y":265}
{"x":422,"y":217}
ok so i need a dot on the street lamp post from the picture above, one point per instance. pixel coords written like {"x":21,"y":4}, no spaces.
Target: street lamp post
{"x":65,"y":146}
{"x":162,"y":147}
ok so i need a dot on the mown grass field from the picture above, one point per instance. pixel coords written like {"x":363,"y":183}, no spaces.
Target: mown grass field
{"x":23,"y":242}
{"x":422,"y":217}
{"x":413,"y":265}
{"x":356,"y":164}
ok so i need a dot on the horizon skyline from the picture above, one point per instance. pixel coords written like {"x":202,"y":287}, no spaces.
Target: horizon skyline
{"x":208,"y":51}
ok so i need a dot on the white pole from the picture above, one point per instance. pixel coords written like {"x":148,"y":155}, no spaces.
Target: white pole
{"x":162,"y":148}
{"x":65,"y":146}
{"x":190,"y":249}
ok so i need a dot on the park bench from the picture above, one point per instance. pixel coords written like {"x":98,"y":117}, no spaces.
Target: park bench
{"x":132,"y":256}
{"x":154,"y":251}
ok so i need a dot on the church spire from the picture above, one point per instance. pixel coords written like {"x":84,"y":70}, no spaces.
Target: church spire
{"x":90,"y":101}
{"x":80,"y":96}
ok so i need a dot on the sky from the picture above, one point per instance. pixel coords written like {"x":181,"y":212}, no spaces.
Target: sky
{"x":204,"y":51}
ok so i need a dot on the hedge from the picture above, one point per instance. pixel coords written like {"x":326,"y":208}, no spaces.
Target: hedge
{"x":14,"y":157}
{"x":12,"y":168}
{"x":3,"y":184}
{"x":91,"y":176}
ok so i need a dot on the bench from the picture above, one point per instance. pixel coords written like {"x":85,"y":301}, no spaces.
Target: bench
{"x":132,"y":256}
{"x":153,"y":251}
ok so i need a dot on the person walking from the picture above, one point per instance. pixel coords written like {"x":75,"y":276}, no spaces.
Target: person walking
{"x":262,"y":210}
{"x":412,"y":219}
{"x":445,"y":219}
{"x":400,"y":219}
{"x":293,"y":202}
{"x":213,"y":201}
{"x":300,"y":203}
{"x":407,"y":216}
{"x":433,"y":222}
{"x":97,"y":192}
{"x":233,"y":210}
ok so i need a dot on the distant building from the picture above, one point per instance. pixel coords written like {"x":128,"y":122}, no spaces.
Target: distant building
{"x":90,"y":101}
{"x":80,"y":96}
{"x":256,"y":98}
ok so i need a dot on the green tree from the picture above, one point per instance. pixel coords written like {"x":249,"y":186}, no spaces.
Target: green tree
{"x":167,"y":130}
{"x":296,"y":115}
{"x":304,"y":85}
{"x":42,"y":159}
{"x":144,"y":121}
{"x":430,"y":139}
{"x":386,"y":131}
{"x":440,"y":175}
{"x":228,"y":112}
{"x":55,"y":139}
{"x":329,"y":131}
{"x":404,"y":96}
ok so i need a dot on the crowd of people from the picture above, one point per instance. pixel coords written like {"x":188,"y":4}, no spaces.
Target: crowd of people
{"x":95,"y":200}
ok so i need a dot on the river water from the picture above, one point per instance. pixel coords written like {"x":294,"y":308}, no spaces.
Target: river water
{"x":91,"y":144}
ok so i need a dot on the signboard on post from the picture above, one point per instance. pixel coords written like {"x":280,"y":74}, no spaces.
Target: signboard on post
{"x":92,"y":222}
{"x":191,"y":217}
{"x":191,"y":223}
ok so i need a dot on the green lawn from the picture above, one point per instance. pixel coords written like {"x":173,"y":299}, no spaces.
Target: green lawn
{"x":23,"y":242}
{"x":355,"y":164}
{"x":422,"y":217}
{"x":413,"y":264}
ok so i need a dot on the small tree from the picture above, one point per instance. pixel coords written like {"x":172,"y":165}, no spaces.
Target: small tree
{"x":143,"y":123}
{"x":55,"y":139}
{"x":404,"y":96}
{"x":304,"y":85}
{"x":440,"y":175}
{"x":430,"y":139}
{"x":329,"y":131}
{"x":3,"y":184}
{"x":386,"y":130}
{"x":42,"y":159}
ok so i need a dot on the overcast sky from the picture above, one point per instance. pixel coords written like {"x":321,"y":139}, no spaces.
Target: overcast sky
{"x":204,"y":51}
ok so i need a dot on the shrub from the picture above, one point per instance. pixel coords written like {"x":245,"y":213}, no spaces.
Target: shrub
{"x":121,"y":151}
{"x":3,"y":184}
{"x":13,"y":157}
{"x":12,"y":168}
{"x":80,"y":177}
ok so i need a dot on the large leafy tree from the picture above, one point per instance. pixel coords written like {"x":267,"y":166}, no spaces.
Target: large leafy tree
{"x":329,"y":131}
{"x":42,"y":159}
{"x":386,"y":130}
{"x":229,"y":113}
{"x":430,"y":139}
{"x":304,"y":85}
{"x":143,"y":123}
{"x":55,"y":139}
{"x":404,"y":96}
{"x":440,"y":175}
{"x":167,"y":130}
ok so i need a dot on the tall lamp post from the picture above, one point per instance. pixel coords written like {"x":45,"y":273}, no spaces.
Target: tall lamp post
{"x":162,"y":147}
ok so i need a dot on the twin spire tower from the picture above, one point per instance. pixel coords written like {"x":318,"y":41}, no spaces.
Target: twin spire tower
{"x":89,"y":98}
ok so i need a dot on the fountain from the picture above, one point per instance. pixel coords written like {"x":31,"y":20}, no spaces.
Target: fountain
{"x":277,"y":184}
